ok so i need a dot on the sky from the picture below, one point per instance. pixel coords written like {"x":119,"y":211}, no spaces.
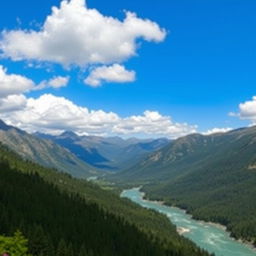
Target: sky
{"x":128,"y":68}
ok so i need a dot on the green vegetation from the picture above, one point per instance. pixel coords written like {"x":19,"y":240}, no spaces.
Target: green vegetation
{"x":15,"y":246}
{"x":212,"y":177}
{"x":58,"y":223}
{"x":61,"y":215}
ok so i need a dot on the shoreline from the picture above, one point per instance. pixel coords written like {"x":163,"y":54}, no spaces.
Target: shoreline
{"x":183,"y":231}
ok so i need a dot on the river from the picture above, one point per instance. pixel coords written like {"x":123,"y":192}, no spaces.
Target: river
{"x":212,"y":238}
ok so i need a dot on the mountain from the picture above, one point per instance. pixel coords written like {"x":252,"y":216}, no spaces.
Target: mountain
{"x":212,"y":177}
{"x":68,"y":216}
{"x":44,"y":152}
{"x":109,"y":153}
{"x":71,"y":141}
{"x":135,"y":152}
{"x":4,"y":126}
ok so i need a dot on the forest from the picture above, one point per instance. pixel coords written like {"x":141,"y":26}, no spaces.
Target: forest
{"x":59,"y":222}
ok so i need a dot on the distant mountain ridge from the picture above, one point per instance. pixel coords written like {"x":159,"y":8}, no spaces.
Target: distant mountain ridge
{"x":5,"y":127}
{"x":191,"y":151}
{"x":44,"y":152}
{"x":109,"y":153}
{"x":68,"y":140}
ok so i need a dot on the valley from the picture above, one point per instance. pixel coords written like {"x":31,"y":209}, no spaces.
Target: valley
{"x":88,"y":208}
{"x":127,"y":128}
{"x":208,"y":176}
{"x":192,"y":173}
{"x":111,"y":154}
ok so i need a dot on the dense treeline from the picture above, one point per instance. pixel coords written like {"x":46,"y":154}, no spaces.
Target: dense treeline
{"x":146,"y":220}
{"x":58,"y":221}
{"x":217,"y":196}
{"x":55,"y":222}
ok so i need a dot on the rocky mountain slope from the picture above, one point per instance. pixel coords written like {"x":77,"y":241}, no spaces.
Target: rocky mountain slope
{"x":44,"y":152}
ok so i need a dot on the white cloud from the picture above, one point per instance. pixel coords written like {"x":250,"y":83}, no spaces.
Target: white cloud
{"x":55,"y":83}
{"x":247,"y":110}
{"x":115,"y":73}
{"x":76,"y":35}
{"x":51,"y":114}
{"x":12,"y":103}
{"x":15,"y":85}
{"x":58,"y":82}
{"x":11,"y":84}
{"x":153,"y":123}
{"x":217,"y":130}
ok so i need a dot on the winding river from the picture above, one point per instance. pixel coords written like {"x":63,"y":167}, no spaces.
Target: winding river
{"x":208,"y":236}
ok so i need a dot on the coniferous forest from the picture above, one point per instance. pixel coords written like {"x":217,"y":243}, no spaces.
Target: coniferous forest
{"x":58,"y":222}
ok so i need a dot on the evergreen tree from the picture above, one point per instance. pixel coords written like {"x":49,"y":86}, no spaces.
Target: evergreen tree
{"x":70,"y":250}
{"x":62,"y":249}
{"x":39,"y":243}
{"x":14,"y":246}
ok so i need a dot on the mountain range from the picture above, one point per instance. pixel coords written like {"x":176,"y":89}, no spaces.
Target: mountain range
{"x":44,"y":152}
{"x":108,"y":153}
{"x":80,"y":156}
{"x":212,"y":177}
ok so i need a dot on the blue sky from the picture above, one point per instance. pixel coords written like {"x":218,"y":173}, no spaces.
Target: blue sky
{"x":199,"y":73}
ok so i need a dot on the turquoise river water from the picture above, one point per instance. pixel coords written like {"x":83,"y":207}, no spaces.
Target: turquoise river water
{"x":208,"y":236}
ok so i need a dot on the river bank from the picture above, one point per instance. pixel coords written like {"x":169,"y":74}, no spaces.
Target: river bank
{"x":210,"y":236}
{"x":217,"y":225}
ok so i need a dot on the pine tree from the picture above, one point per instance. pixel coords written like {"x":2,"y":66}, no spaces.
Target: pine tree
{"x":70,"y":250}
{"x":15,"y":246}
{"x":62,"y":249}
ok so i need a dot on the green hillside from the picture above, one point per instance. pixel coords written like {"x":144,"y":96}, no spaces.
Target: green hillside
{"x":74,"y":216}
{"x":213,"y":177}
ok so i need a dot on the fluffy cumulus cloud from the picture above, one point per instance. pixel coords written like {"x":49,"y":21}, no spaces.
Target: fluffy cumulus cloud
{"x":247,"y":110}
{"x":153,"y":123}
{"x":217,"y":130}
{"x":51,"y":114}
{"x":76,"y":35}
{"x":11,"y":84}
{"x":115,"y":73}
